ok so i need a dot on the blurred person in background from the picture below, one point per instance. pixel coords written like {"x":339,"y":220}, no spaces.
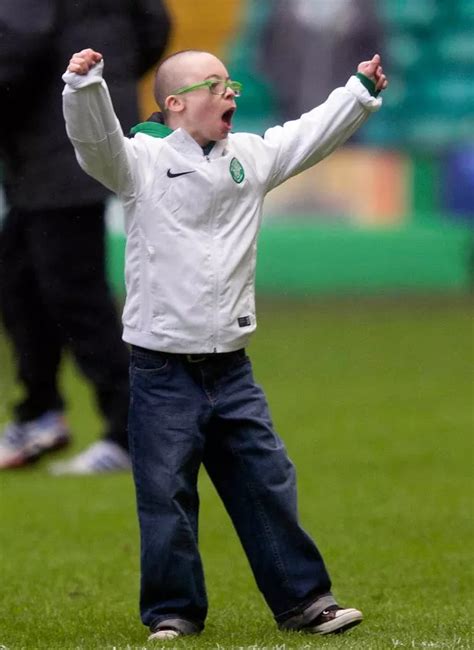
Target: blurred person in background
{"x":53,"y":290}
{"x":333,"y":33}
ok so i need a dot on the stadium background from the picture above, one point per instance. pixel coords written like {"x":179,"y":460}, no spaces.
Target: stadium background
{"x":392,"y":212}
{"x":365,"y":349}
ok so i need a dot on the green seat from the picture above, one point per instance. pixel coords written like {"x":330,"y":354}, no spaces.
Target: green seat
{"x":395,"y":98}
{"x":434,"y":132}
{"x":451,"y":95}
{"x":409,"y":13}
{"x":257,"y":105}
{"x":404,"y":51}
{"x":387,"y":129}
{"x":465,"y":12}
{"x":457,"y":47}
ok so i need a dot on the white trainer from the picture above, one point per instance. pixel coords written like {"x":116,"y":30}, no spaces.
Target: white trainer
{"x":164,"y":635}
{"x":25,"y":442}
{"x":102,"y":457}
{"x":334,"y":619}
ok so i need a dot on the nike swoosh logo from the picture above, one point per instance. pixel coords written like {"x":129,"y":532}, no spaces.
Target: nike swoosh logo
{"x":170,"y":174}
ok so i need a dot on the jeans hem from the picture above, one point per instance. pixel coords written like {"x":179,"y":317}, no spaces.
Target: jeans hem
{"x":182,"y":625}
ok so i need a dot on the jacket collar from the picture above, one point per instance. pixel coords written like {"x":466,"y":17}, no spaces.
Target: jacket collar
{"x":178,"y":139}
{"x":155,"y":129}
{"x":154,"y":126}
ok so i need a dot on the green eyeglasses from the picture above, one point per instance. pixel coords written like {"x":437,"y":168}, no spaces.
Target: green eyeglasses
{"x":216,"y":87}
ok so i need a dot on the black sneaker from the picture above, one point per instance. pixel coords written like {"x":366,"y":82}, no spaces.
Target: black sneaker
{"x":334,"y":619}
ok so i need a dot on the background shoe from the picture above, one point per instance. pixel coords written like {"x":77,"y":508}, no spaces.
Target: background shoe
{"x":102,"y":457}
{"x":334,"y":619}
{"x":25,"y":442}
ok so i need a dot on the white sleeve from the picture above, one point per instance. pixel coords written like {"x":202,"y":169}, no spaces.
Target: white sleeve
{"x":299,"y":144}
{"x":95,"y":132}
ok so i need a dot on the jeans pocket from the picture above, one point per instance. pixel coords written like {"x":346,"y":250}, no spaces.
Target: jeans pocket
{"x":148,"y":360}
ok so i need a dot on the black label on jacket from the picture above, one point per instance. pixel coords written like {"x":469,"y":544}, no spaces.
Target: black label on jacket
{"x":244,"y":321}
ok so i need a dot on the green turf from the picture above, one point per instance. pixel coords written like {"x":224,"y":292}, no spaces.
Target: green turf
{"x":374,"y":401}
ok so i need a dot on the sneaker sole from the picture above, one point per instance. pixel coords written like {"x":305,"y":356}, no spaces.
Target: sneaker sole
{"x":339,"y":624}
{"x":164,"y":635}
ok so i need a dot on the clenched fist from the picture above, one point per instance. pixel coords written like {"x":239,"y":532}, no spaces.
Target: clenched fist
{"x":81,"y":62}
{"x":374,"y":71}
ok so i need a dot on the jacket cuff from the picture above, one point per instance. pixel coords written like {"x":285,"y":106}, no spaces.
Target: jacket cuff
{"x":368,"y":83}
{"x":357,"y":88}
{"x":76,"y":81}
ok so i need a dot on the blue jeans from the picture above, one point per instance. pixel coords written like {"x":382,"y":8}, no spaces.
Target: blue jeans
{"x":187,"y":412}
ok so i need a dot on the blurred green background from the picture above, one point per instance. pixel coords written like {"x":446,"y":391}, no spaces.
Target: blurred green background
{"x":393,"y":210}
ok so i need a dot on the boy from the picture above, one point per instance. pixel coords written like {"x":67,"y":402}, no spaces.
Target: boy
{"x":193,"y":194}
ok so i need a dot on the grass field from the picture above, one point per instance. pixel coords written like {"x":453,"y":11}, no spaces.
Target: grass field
{"x":375,"y":402}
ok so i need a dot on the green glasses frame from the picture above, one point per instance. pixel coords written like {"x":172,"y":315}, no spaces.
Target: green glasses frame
{"x":235,"y":86}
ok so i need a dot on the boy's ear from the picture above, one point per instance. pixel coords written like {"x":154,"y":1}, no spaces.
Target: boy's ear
{"x":174,"y":103}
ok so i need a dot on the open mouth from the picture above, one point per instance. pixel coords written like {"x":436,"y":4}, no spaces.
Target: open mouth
{"x":227,"y":117}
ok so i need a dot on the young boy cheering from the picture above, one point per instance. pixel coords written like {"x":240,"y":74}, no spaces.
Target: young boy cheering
{"x":193,"y":193}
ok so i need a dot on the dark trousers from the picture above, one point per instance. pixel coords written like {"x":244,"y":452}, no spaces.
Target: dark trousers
{"x":184,"y":414}
{"x":53,"y":296}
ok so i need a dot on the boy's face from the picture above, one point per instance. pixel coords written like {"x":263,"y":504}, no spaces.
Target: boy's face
{"x":206,"y":116}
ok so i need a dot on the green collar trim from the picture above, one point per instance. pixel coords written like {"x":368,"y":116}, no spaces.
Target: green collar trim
{"x":155,"y":129}
{"x":158,"y":130}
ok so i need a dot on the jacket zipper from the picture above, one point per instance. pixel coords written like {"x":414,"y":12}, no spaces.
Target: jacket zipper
{"x":216,"y":274}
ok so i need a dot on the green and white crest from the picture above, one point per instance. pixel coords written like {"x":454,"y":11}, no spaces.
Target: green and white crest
{"x":236,"y":170}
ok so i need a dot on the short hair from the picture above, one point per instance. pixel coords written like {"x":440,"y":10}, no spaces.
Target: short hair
{"x":166,"y":79}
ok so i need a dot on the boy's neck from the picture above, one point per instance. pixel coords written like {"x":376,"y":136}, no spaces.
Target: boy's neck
{"x":206,"y":149}
{"x":159,"y":119}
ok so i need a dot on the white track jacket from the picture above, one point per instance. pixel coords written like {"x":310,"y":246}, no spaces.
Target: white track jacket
{"x":192,"y":220}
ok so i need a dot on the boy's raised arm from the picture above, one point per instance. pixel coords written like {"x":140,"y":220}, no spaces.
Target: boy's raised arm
{"x":299,"y":144}
{"x":92,"y":126}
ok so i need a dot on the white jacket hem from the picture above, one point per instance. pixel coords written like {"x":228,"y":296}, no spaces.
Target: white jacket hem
{"x":151,"y":341}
